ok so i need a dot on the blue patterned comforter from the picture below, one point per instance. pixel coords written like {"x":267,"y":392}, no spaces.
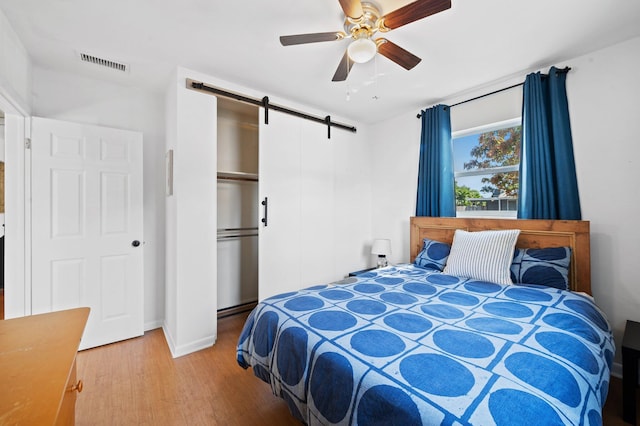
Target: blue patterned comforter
{"x":407,"y":346}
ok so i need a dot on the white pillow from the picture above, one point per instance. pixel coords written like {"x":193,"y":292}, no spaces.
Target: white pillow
{"x":482,"y":255}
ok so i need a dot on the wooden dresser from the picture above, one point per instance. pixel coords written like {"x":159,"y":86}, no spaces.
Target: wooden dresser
{"x":38,"y":381}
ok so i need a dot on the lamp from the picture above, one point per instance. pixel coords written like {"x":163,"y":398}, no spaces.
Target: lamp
{"x":382,"y":248}
{"x":362,"y":49}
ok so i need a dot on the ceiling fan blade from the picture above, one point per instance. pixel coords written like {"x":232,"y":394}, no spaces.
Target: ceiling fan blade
{"x":352,"y":8}
{"x":342,"y":72}
{"x":397,"y":54}
{"x":412,"y":12}
{"x":311,"y":38}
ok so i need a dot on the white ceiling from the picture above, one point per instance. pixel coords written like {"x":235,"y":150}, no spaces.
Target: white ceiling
{"x":473,"y":43}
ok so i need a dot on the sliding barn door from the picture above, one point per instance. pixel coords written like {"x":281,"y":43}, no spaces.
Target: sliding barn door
{"x":87,"y":226}
{"x":296,"y":181}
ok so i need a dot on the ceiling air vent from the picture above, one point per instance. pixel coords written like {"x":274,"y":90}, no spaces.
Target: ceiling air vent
{"x":103,"y":62}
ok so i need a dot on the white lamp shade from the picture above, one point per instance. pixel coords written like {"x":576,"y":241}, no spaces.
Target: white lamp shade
{"x":381,"y":247}
{"x":362,"y":50}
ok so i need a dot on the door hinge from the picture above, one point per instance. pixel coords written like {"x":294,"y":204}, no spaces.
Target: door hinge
{"x":27,"y":143}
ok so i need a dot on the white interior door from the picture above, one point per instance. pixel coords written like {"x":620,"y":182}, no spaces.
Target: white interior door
{"x":279,"y":254}
{"x":87,"y":226}
{"x":297,"y":178}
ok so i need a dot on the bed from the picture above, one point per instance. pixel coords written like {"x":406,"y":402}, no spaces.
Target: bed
{"x":414,"y":344}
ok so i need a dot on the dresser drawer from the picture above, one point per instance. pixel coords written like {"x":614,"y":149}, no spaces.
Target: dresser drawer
{"x":38,"y":362}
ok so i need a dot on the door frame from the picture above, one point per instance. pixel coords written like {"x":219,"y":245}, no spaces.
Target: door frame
{"x":17,"y":288}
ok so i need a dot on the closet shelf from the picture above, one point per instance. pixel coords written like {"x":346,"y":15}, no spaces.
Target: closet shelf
{"x":253,"y":177}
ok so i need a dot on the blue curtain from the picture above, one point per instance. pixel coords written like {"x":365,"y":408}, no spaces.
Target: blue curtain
{"x":436,"y":194}
{"x":548,"y":184}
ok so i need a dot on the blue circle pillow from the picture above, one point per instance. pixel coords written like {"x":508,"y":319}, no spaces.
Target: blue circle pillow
{"x":545,"y":266}
{"x":433,"y":255}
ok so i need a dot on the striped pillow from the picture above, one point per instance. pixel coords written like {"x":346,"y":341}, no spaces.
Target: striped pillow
{"x":482,"y":255}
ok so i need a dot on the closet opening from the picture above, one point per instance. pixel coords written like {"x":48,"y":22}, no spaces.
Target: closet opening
{"x":237,"y":207}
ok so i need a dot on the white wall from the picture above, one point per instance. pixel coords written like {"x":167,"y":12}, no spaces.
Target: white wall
{"x":82,"y":100}
{"x":602,"y":89}
{"x":352,"y":200}
{"x":15,"y":91}
{"x":395,"y":147}
{"x":191,"y":296}
{"x":498,"y":107}
{"x":2,"y":138}
{"x":15,"y":67}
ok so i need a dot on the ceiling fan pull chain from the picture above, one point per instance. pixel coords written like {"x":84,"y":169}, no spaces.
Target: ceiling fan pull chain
{"x":375,"y":77}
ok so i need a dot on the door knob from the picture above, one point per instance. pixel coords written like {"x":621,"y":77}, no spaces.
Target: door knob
{"x":135,"y":243}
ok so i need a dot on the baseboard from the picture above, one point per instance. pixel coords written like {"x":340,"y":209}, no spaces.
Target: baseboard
{"x":197,"y":345}
{"x":233,"y":310}
{"x":152,"y":325}
{"x":169,"y":338}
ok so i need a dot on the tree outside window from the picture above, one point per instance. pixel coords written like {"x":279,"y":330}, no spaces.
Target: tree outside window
{"x":486,"y":164}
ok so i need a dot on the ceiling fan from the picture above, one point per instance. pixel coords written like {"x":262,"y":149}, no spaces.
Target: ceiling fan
{"x":362,"y":21}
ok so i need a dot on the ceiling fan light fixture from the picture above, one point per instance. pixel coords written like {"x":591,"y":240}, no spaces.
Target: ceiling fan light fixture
{"x":362,"y":50}
{"x":362,"y":20}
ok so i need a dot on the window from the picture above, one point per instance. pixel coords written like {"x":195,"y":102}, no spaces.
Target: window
{"x":486,"y":161}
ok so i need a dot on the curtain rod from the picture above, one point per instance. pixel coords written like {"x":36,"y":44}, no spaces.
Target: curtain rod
{"x":559,"y":71}
{"x":264,"y":102}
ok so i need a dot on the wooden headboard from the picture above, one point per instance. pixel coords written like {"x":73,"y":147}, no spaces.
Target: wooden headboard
{"x":534,"y":233}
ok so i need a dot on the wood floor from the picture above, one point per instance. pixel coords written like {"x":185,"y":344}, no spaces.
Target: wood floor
{"x":136,"y":382}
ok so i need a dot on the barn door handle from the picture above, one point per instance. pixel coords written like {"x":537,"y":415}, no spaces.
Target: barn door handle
{"x":265,"y":203}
